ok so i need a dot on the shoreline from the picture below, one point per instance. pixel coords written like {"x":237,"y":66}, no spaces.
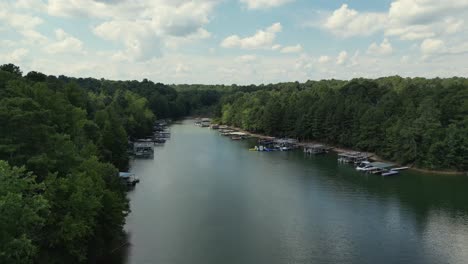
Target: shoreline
{"x":371,"y":154}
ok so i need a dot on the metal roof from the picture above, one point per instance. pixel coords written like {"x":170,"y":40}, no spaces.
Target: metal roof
{"x":126,"y":174}
{"x":381,"y":165}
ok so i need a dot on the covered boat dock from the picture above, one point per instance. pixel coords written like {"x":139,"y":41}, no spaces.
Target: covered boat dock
{"x":352,"y":157}
{"x":316,"y":149}
{"x":129,"y":178}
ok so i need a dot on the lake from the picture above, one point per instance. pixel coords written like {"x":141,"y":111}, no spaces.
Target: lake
{"x":207,"y":199}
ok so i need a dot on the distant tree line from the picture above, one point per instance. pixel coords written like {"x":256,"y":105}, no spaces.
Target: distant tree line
{"x":422,"y":122}
{"x":62,"y":142}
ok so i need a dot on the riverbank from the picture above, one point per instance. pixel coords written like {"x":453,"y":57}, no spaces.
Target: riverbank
{"x":372,"y":155}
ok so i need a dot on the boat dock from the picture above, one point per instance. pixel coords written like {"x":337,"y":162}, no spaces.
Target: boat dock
{"x":315,"y":149}
{"x":203,"y":122}
{"x":161,"y":132}
{"x":382,"y":168}
{"x":269,"y":144}
{"x":143,"y":149}
{"x":352,"y":157}
{"x":274,"y":144}
{"x":128,"y":178}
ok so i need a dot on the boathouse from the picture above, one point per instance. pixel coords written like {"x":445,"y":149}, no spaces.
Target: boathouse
{"x":316,"y":149}
{"x":352,"y":157}
{"x":143,"y":149}
{"x":129,"y":178}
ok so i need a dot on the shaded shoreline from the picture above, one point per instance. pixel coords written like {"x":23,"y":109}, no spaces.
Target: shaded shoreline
{"x":370,"y":154}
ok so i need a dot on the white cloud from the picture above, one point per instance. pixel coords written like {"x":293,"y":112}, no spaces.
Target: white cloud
{"x":227,"y":69}
{"x":432,"y":46}
{"x":412,"y":12}
{"x":137,"y":36}
{"x":164,"y":17}
{"x":292,"y":49}
{"x":406,"y":19}
{"x":150,"y":37}
{"x":175,"y":42}
{"x":384,"y":48}
{"x":182,"y":69}
{"x":7,"y":43}
{"x":22,"y":23}
{"x":354,"y":61}
{"x":143,"y":26}
{"x":262,"y":4}
{"x":342,"y":57}
{"x":405,"y":59}
{"x":15,"y":56}
{"x":276,"y":47}
{"x":454,"y":25}
{"x":246,"y":58}
{"x":411,"y":32}
{"x":37,"y":5}
{"x":348,"y":22}
{"x":33,"y":37}
{"x":324,"y":59}
{"x":263,"y":39}
{"x":65,"y":44}
{"x":19,"y":21}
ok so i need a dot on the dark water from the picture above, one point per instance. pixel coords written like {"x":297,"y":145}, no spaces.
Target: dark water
{"x":206,"y":199}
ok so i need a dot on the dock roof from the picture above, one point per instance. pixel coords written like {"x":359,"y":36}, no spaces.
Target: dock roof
{"x":286,"y":140}
{"x":238,"y":134}
{"x":352,"y":154}
{"x":126,"y":174}
{"x":315,"y":146}
{"x":381,"y":165}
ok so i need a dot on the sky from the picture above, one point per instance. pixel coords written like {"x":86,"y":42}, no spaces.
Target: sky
{"x":236,"y":41}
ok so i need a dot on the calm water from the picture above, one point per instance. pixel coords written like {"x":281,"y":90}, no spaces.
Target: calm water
{"x":206,"y":199}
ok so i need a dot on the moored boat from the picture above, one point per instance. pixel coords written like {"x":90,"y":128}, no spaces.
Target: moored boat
{"x":390,"y":172}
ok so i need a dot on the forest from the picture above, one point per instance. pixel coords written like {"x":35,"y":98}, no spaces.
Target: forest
{"x":63,"y":141}
{"x":412,"y":121}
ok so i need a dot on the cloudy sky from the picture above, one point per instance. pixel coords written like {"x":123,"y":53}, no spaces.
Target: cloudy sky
{"x":236,"y":41}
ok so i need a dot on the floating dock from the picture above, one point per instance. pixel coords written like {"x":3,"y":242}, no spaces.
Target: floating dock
{"x":352,"y":157}
{"x":143,"y":149}
{"x":129,"y":178}
{"x":315,"y":149}
{"x":382,"y":168}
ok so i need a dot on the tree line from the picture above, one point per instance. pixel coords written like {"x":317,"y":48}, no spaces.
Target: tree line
{"x":421,"y":122}
{"x":62,"y":142}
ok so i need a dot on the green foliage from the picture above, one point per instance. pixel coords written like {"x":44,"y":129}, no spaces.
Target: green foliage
{"x":411,"y":121}
{"x":73,"y":135}
{"x":23,"y":212}
{"x":11,"y":68}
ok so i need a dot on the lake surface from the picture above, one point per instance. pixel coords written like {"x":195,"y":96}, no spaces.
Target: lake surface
{"x":207,"y":199}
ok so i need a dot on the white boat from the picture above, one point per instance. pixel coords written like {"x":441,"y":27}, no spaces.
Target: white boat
{"x":390,"y":172}
{"x":369,"y":169}
{"x":364,"y":166}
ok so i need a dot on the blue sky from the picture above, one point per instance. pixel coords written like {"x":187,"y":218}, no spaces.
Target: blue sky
{"x":236,"y":41}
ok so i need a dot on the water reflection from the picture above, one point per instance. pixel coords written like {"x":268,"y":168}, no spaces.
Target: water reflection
{"x":206,"y":199}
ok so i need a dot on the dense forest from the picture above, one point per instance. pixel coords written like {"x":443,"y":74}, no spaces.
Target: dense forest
{"x":62,"y":142}
{"x":420,"y":122}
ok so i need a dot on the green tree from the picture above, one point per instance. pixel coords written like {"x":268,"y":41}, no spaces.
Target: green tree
{"x":11,"y":68}
{"x":23,"y":212}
